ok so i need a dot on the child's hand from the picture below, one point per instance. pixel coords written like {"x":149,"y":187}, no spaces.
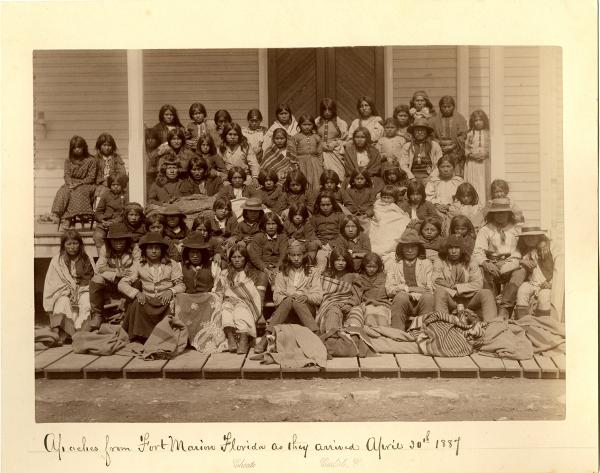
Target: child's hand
{"x":141,"y":298}
{"x":528,"y":264}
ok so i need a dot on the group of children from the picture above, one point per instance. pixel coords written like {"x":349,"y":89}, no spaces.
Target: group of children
{"x":392,"y":213}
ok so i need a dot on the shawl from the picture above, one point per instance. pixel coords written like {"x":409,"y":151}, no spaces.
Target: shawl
{"x":291,"y":130}
{"x":505,"y":339}
{"x":242,"y":290}
{"x":341,"y":132}
{"x":61,"y":283}
{"x":276,"y":160}
{"x":335,"y":292}
{"x":385,"y":230}
{"x":298,"y":347}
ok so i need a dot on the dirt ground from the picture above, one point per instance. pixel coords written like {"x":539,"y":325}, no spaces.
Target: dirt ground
{"x":361,"y":399}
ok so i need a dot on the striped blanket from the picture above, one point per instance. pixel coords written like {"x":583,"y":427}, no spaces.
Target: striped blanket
{"x":336,"y":293}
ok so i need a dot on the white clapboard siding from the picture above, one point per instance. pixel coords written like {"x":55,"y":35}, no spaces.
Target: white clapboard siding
{"x":75,"y":93}
{"x":558,"y":184}
{"x":220,"y":79}
{"x":479,"y":79}
{"x":429,"y":68}
{"x":521,"y":129}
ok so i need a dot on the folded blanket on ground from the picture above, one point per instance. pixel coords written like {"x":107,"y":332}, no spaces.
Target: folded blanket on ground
{"x":201,"y":314}
{"x":504,"y":339}
{"x":168,"y":339}
{"x":442,"y":334}
{"x":348,"y":342}
{"x":392,"y":340}
{"x":546,"y":333}
{"x":45,"y":338}
{"x":298,"y":347}
{"x":105,"y":341}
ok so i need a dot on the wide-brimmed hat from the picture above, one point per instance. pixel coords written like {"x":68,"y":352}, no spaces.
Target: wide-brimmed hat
{"x":502,"y":204}
{"x":172,"y":209}
{"x":118,"y":230}
{"x":410,"y":237}
{"x":420,"y":122}
{"x":252,"y":204}
{"x":196,"y":241}
{"x":152,"y":238}
{"x":421,"y":93}
{"x":532,"y":230}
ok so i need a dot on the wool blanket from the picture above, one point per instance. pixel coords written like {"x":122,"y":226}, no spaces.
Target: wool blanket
{"x":392,"y":340}
{"x":349,"y":342}
{"x":105,"y":341}
{"x":45,"y":338}
{"x":387,"y":226}
{"x":197,"y":311}
{"x":504,"y":339}
{"x":546,"y":333}
{"x":192,"y":207}
{"x":296,"y":347}
{"x":336,"y":293}
{"x":168,"y":339}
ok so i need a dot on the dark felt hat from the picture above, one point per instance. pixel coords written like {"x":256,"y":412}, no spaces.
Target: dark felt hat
{"x":420,"y":122}
{"x":501,"y":204}
{"x":172,"y":209}
{"x":410,"y":237}
{"x":153,"y":238}
{"x":527,"y":230}
{"x":118,"y":230}
{"x":252,"y":204}
{"x":196,"y":241}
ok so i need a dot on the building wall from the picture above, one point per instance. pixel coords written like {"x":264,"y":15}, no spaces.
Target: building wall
{"x":74,"y":93}
{"x":479,"y":80}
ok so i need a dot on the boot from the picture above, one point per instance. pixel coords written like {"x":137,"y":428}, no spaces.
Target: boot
{"x":94,"y":322}
{"x":504,"y":312}
{"x":242,"y":348}
{"x":231,"y":343}
{"x":261,"y":346}
{"x":521,"y":311}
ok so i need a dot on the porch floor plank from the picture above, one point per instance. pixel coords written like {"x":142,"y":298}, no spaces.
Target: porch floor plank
{"x":382,"y":366}
{"x":512,"y":367}
{"x":561,"y":363}
{"x":530,"y":369}
{"x":49,"y":356}
{"x":343,"y":367}
{"x":107,"y":366}
{"x":140,"y":368}
{"x":549,"y":369}
{"x":224,"y":365}
{"x":417,"y":366}
{"x":254,"y":369}
{"x":187,"y":365}
{"x":69,"y":366}
{"x":488,"y":366}
{"x":457,"y":367}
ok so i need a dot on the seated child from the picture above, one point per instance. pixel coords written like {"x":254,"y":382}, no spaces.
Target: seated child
{"x":235,"y":186}
{"x":330,"y":181}
{"x":326,"y":219}
{"x":66,"y":287}
{"x":409,"y":281}
{"x":167,"y":186}
{"x":416,"y":205}
{"x":392,"y":175}
{"x":197,"y":127}
{"x":176,"y":151}
{"x":199,"y":181}
{"x":463,"y":227}
{"x":196,"y":267}
{"x":267,"y":248}
{"x":353,"y":239}
{"x":430,"y":231}
{"x":224,"y":222}
{"x":298,"y":226}
{"x":466,"y":202}
{"x":157,"y":223}
{"x":359,"y":196}
{"x":388,"y":223}
{"x":499,"y":190}
{"x":110,"y":206}
{"x":270,"y":194}
{"x":207,"y":149}
{"x":275,"y":157}
{"x":109,"y":163}
{"x":361,"y":155}
{"x":245,"y":230}
{"x":134,"y":220}
{"x":441,"y":189}
{"x":295,"y":191}
{"x":115,"y":261}
{"x":202,"y":227}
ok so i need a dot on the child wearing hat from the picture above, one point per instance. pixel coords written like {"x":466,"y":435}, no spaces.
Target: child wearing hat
{"x":419,"y":157}
{"x":116,"y":259}
{"x":252,"y":211}
{"x":196,"y":264}
{"x":161,"y":279}
{"x":457,"y":280}
{"x":409,"y":280}
{"x":496,"y":252}
{"x":175,"y":229}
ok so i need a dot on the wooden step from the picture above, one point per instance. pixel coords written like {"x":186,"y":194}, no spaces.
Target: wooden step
{"x":49,"y":356}
{"x":530,"y":369}
{"x":254,"y":369}
{"x":306,"y":372}
{"x":224,"y":366}
{"x":343,"y":367}
{"x":140,"y":368}
{"x":512,"y":368}
{"x":107,"y":366}
{"x":561,"y":363}
{"x":489,"y":366}
{"x":457,"y":367}
{"x":417,"y":366}
{"x":382,"y":366}
{"x":69,"y":366}
{"x":549,"y":369}
{"x":188,"y":365}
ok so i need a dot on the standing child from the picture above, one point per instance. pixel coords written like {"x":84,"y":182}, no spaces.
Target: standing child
{"x":361,"y":155}
{"x":175,"y":226}
{"x":421,"y":106}
{"x":115,"y":261}
{"x":431,"y":232}
{"x":110,"y":207}
{"x":197,"y":127}
{"x":196,"y":265}
{"x":66,"y":287}
{"x":420,"y":155}
{"x":354,"y":239}
{"x":450,"y":130}
{"x":133,"y":218}
{"x":441,"y":189}
{"x":168,"y":120}
{"x":74,"y":197}
{"x":270,"y":194}
{"x":284,"y":119}
{"x":466,"y":202}
{"x":368,"y":118}
{"x":236,"y":152}
{"x":109,"y":163}
{"x":409,"y":281}
{"x":326,"y":219}
{"x":200,"y":180}
{"x":477,"y":151}
{"x":306,"y":149}
{"x":390,"y":144}
{"x":167,"y":186}
{"x":267,"y":249}
{"x":499,"y":190}
{"x":161,"y":279}
{"x":255,"y":133}
{"x":245,"y":230}
{"x":275,"y":158}
{"x":402,"y":119}
{"x":333,"y":132}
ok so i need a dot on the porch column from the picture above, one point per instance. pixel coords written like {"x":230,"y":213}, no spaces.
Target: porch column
{"x":388,"y":78}
{"x":462,"y":80}
{"x":135,"y":102}
{"x":497,"y":111}
{"x":263,"y":83}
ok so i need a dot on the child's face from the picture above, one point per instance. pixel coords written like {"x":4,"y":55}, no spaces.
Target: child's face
{"x":296,"y":256}
{"x":72,"y":247}
{"x":280,"y":140}
{"x":365,"y":109}
{"x":419,"y":102}
{"x":204,"y":147}
{"x":133,"y":217}
{"x":269,"y":185}
{"x":221,"y":122}
{"x":298,"y":219}
{"x":415,"y":198}
{"x":402,"y":118}
{"x":446,"y":170}
{"x":429,"y":231}
{"x":116,"y":188}
{"x":339,"y":264}
{"x":390,"y":130}
{"x":447,"y":109}
{"x":197,"y":173}
{"x":283,"y":117}
{"x":237,"y":180}
{"x":118,"y":244}
{"x":172,"y":221}
{"x":252,"y":215}
{"x":351,"y":230}
{"x":198,"y":117}
{"x":306,"y":127}
{"x":498,"y":193}
{"x":530,"y":241}
{"x":106,"y":148}
{"x":176,"y":142}
{"x":360,"y":140}
{"x":168,"y":117}
{"x":501,"y":218}
{"x":360,"y":181}
{"x":391,"y":177}
{"x":454,"y":253}
{"x":387,"y":199}
{"x":461,"y":230}
{"x":171,"y":171}
{"x":203,"y":231}
{"x":466,"y":199}
{"x":420,"y":133}
{"x":232,"y":138}
{"x":238,"y":261}
{"x":220,"y":213}
{"x":330,"y":185}
{"x":326,"y":206}
{"x":153,"y":252}
{"x":295,"y":188}
{"x":478,"y":123}
{"x":410,"y":252}
{"x":195,"y":256}
{"x":271,"y":228}
{"x":156,"y":227}
{"x":78,"y":151}
{"x":151,"y":142}
{"x":371,"y":268}
{"x":254,"y":122}
{"x":327,"y":114}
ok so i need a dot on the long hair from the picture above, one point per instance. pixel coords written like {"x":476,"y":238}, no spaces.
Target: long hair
{"x":337,"y":253}
{"x":279,"y":131}
{"x":164,"y":254}
{"x":287,"y":264}
{"x":208,"y":139}
{"x":329,"y":195}
{"x":298,"y":208}
{"x":78,"y":142}
{"x":435,"y":221}
{"x":242,"y":140}
{"x":479,"y":114}
{"x":499,"y":184}
{"x":206,"y":260}
{"x":305,"y":117}
{"x":280,"y":108}
{"x":179,"y":133}
{"x":397,"y":110}
{"x":222,"y":114}
{"x":428,"y":103}
{"x":237,"y":248}
{"x":206,"y":222}
{"x":370,"y":101}
{"x":82,"y":256}
{"x":197,"y":162}
{"x":328,"y":104}
{"x":523,"y":249}
{"x":295,"y":177}
{"x":355,"y":173}
{"x":173,"y":110}
{"x":465,"y":257}
{"x":415,"y":187}
{"x":371,"y":258}
{"x":466,"y":189}
{"x":197,"y":107}
{"x":462,"y":220}
{"x":366,"y":132}
{"x":270,"y":217}
{"x":156,"y":218}
{"x":106,"y":138}
{"x":329,"y":175}
{"x":236,"y":170}
{"x":254,"y":112}
{"x":402,"y":177}
{"x":268,"y":175}
{"x":346,"y":221}
{"x":400,"y":254}
{"x":109,"y":249}
{"x":133,"y":206}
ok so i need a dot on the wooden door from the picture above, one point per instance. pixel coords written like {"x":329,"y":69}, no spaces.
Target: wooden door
{"x":302,"y":77}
